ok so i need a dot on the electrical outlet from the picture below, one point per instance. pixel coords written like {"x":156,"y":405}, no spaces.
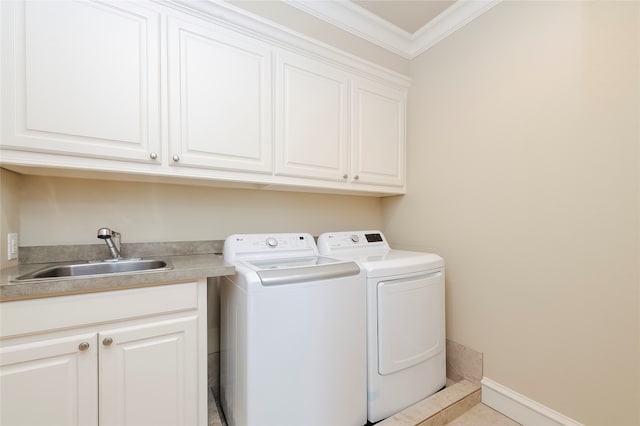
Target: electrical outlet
{"x":12,"y":246}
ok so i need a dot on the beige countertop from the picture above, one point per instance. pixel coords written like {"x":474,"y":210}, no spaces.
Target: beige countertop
{"x":185,"y":268}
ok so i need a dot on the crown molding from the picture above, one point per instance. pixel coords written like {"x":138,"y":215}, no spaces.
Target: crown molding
{"x":449,"y":21}
{"x":359,"y":21}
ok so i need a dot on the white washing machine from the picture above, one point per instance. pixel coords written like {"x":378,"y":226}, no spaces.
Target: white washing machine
{"x":406,"y":359}
{"x":293,"y":334}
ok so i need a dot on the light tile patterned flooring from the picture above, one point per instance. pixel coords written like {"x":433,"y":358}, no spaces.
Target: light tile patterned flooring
{"x":478,"y":415}
{"x":482,"y":415}
{"x":215,"y":419}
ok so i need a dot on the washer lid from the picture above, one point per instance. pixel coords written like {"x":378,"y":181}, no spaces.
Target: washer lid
{"x":301,"y":269}
{"x":291,"y":262}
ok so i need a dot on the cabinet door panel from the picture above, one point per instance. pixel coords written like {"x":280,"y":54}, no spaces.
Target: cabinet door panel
{"x":311,"y":117}
{"x":220,"y":98}
{"x":378,"y":153}
{"x":154,"y":365}
{"x":85,"y":78}
{"x":50,"y":382}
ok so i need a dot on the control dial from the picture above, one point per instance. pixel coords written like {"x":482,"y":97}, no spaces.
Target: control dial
{"x":355,"y":238}
{"x":271,"y":242}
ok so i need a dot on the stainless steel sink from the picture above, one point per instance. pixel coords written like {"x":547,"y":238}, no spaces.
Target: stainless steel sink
{"x":97,"y":268}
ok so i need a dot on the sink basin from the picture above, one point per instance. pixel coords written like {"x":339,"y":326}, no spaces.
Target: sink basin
{"x":96,"y":268}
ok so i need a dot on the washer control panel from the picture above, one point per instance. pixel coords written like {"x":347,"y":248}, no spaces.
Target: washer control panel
{"x":337,"y":241}
{"x":264,"y":245}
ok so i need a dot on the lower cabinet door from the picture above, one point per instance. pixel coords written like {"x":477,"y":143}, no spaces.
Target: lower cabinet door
{"x":50,"y":382}
{"x":148,"y":375}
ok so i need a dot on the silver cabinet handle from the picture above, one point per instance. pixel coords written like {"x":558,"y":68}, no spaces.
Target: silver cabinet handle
{"x":153,"y":155}
{"x":356,"y":177}
{"x":83,"y":346}
{"x":107,"y":341}
{"x":176,"y":158}
{"x":344,"y":176}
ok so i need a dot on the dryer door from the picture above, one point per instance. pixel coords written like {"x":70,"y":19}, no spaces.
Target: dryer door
{"x":410,"y":321}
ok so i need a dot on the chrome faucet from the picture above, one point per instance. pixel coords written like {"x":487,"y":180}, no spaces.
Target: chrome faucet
{"x":108,"y":236}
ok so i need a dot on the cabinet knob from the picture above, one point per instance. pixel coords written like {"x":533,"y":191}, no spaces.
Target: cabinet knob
{"x":356,"y":177}
{"x":153,"y":155}
{"x":176,"y":158}
{"x":344,"y":176}
{"x":83,"y":346}
{"x":107,"y":341}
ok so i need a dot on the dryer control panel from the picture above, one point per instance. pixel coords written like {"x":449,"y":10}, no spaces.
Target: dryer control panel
{"x":332,"y":242}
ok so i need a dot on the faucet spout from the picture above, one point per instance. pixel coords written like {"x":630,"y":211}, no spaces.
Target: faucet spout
{"x":108,"y":236}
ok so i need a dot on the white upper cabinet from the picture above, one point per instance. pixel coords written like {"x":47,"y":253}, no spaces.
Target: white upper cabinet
{"x":220,"y":98}
{"x":378,"y":134}
{"x":81,"y":78}
{"x":312,"y":132}
{"x":335,"y":126}
{"x":193,"y":90}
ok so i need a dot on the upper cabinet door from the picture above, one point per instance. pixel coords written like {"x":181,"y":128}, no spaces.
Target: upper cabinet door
{"x":311,"y":119}
{"x":220,"y":111}
{"x":378,"y":134}
{"x":81,"y":78}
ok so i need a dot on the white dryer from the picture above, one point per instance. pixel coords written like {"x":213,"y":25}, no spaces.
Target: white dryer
{"x":406,"y":359}
{"x":293,"y":334}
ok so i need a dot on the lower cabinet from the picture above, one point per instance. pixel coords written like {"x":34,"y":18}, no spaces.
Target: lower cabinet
{"x":53,"y":381}
{"x":127,"y":368}
{"x":153,"y":365}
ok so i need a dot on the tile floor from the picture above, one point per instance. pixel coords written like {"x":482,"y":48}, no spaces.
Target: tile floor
{"x":482,"y":415}
{"x":478,"y":415}
{"x":215,"y":419}
{"x":439,"y":408}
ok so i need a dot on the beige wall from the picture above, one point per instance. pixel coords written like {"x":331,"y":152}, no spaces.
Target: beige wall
{"x":303,"y":23}
{"x":9,"y":212}
{"x":523,"y":137}
{"x":69,"y":211}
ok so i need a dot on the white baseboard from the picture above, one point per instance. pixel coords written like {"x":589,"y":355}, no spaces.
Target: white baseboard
{"x":520,"y":408}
